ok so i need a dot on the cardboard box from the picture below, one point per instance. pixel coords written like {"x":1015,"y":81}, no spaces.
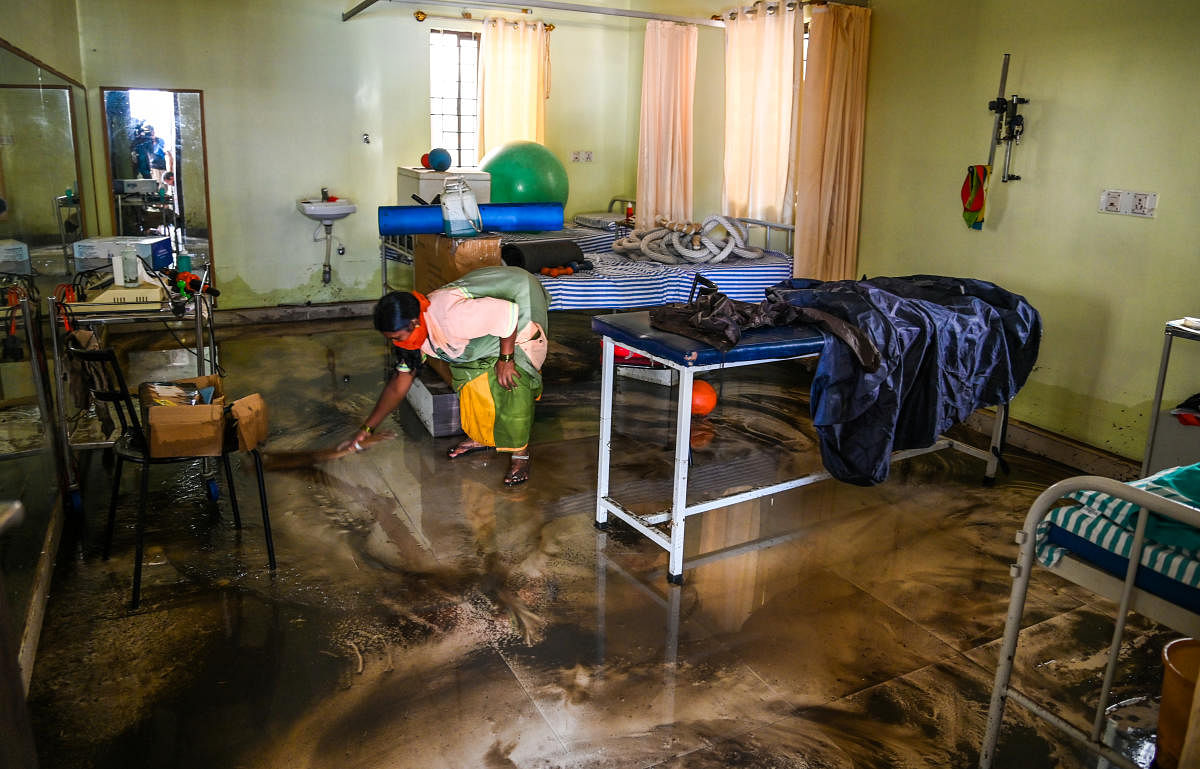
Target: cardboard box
{"x":426,"y":183}
{"x":184,"y":430}
{"x":437,"y":259}
{"x":14,"y":257}
{"x":201,"y":430}
{"x":251,"y":415}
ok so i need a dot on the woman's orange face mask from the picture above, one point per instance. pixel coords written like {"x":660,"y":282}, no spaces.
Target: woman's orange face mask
{"x":410,"y":338}
{"x":414,"y":336}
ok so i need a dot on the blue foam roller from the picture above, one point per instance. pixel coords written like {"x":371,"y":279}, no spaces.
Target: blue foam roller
{"x":521,"y":217}
{"x":410,"y":220}
{"x":496,"y":217}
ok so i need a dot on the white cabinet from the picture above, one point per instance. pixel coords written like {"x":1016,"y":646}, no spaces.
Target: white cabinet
{"x":426,"y":183}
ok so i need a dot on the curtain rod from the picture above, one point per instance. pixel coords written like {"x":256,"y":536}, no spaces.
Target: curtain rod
{"x":467,"y":17}
{"x":546,"y":5}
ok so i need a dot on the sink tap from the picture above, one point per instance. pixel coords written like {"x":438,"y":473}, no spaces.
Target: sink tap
{"x":325,"y":194}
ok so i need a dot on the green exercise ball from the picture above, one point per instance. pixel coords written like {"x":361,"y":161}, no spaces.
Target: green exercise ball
{"x":525,"y":172}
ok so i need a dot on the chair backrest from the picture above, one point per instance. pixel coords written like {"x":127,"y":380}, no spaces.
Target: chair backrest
{"x":106,"y":382}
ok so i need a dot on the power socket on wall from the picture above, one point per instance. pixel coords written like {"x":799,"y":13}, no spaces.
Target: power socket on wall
{"x":581,"y":156}
{"x":1128,"y":203}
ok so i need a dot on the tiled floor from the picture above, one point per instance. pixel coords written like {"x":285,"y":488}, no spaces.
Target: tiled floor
{"x":424,"y":616}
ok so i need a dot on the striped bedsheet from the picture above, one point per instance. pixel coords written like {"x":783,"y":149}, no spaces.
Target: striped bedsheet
{"x":1109,"y":522}
{"x":617,"y":282}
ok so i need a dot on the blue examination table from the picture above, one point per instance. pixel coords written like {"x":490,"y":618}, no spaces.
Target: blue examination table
{"x":688,"y":357}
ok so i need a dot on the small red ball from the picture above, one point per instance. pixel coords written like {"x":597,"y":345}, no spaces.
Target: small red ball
{"x":704,"y":397}
{"x":425,"y":161}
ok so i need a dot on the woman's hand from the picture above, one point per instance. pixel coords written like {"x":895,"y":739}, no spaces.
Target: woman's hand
{"x":507,"y":374}
{"x":355,"y":443}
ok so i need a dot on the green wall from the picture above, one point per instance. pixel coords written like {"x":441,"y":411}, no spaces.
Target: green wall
{"x":45,"y":29}
{"x":289,"y":91}
{"x":1111,"y":89}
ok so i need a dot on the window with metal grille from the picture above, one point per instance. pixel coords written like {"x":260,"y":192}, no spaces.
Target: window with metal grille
{"x":454,"y":94}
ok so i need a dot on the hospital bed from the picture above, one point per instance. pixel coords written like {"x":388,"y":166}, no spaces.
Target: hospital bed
{"x":1097,"y":540}
{"x":618,"y":282}
{"x":688,"y":357}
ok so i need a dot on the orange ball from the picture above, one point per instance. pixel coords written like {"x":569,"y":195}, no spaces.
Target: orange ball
{"x":704,"y":397}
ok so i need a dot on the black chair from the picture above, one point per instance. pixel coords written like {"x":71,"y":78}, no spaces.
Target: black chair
{"x":106,"y":383}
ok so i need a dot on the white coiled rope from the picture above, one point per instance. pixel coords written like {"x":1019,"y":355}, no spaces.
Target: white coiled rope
{"x":677,"y":242}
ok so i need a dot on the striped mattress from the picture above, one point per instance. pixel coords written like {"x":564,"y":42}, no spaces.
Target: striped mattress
{"x":1108,"y":522}
{"x":618,"y":282}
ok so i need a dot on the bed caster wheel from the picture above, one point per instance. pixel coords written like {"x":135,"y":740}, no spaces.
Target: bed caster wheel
{"x":988,"y":481}
{"x":214,"y":491}
{"x":675,"y":579}
{"x":600,"y":525}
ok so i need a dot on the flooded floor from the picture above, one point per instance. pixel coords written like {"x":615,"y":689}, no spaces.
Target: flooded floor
{"x":423,"y":615}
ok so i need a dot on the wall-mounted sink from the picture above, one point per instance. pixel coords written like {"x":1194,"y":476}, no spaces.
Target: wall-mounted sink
{"x":325,"y":211}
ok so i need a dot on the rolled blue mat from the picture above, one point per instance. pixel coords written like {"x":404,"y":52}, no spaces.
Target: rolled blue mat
{"x":410,"y":220}
{"x":521,"y":217}
{"x":496,"y":217}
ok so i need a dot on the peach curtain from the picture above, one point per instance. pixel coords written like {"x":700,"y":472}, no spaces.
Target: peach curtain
{"x":828,"y":153}
{"x":664,"y":175}
{"x":514,"y":82}
{"x":763,"y":69}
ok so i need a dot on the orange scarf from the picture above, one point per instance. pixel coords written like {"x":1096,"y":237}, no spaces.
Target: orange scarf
{"x":420,"y":329}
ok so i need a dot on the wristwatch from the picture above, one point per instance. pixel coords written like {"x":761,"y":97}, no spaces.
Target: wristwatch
{"x":505,"y":357}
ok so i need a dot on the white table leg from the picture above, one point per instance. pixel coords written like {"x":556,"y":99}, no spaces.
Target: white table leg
{"x":604,"y":456}
{"x":683,"y":431}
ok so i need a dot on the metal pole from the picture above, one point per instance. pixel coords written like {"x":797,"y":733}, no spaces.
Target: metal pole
{"x":999,"y":109}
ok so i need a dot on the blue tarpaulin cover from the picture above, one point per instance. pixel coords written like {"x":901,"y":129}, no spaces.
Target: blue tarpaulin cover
{"x":948,"y":346}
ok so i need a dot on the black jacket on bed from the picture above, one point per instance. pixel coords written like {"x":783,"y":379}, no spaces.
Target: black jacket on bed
{"x":948,"y":346}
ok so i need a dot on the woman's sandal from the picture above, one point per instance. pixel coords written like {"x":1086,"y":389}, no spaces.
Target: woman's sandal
{"x":519,"y":473}
{"x":464,"y":448}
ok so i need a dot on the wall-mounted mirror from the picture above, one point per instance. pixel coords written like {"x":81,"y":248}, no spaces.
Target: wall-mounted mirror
{"x":46,"y":203}
{"x":157,"y":167}
{"x":45,"y":164}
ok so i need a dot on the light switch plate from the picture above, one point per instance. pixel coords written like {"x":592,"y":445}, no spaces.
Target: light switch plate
{"x":1128,"y":203}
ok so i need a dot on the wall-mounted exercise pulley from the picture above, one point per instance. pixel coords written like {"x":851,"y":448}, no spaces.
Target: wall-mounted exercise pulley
{"x":1008,"y":125}
{"x":1007,"y":129}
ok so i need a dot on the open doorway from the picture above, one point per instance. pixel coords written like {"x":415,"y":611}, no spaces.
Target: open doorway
{"x":158,"y":168}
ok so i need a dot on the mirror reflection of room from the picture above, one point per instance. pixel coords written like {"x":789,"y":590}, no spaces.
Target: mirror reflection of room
{"x":39,"y":208}
{"x":156,"y":163}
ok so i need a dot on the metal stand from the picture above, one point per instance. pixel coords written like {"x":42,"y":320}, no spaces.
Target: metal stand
{"x":1174,"y":328}
{"x":201,"y":309}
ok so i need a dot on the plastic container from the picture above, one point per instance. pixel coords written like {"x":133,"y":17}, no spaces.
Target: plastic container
{"x":1181,"y":663}
{"x":129,"y":266}
{"x":460,"y":211}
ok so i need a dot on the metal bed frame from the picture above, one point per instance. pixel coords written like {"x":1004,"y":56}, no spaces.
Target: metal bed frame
{"x":1125,"y":593}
